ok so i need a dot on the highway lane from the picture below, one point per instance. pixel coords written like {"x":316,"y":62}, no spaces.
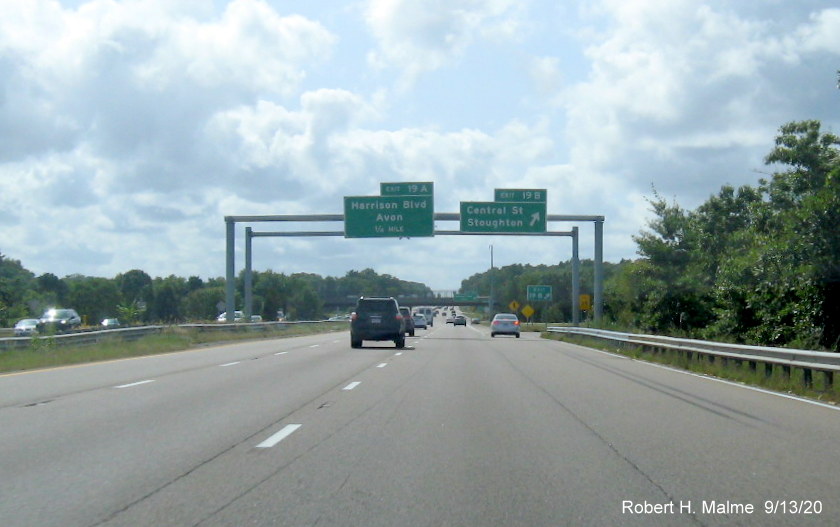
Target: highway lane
{"x":459,"y":429}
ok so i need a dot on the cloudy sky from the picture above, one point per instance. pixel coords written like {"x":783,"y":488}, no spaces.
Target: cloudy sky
{"x":130,"y":129}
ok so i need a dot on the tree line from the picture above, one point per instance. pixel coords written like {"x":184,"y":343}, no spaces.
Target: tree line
{"x":759,"y":264}
{"x":136,"y":297}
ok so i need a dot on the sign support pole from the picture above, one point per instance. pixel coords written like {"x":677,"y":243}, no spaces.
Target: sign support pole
{"x":599,"y":270}
{"x":249,"y":297}
{"x":575,"y":279}
{"x":230,"y":290}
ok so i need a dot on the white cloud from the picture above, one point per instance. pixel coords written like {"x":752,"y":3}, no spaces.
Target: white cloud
{"x":140,"y":124}
{"x":421,"y":36}
{"x":679,"y":84}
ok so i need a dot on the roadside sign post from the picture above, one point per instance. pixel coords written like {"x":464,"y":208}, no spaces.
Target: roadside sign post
{"x":528,"y":311}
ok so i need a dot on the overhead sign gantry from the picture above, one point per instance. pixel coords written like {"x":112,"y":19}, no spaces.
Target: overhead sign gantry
{"x":406,"y":210}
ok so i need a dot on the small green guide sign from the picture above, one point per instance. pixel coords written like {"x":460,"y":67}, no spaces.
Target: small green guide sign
{"x":404,"y":210}
{"x":518,"y":195}
{"x":539,"y":293}
{"x":407,"y":189}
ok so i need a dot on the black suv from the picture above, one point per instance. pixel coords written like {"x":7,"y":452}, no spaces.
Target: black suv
{"x":377,"y":319}
{"x":59,"y":320}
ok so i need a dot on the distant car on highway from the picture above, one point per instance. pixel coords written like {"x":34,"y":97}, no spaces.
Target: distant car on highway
{"x":238,"y":316}
{"x":409,"y":321}
{"x":110,"y":323}
{"x":429,"y":314}
{"x":26,"y":327}
{"x":59,"y":320}
{"x":460,"y":320}
{"x":504,"y":324}
{"x":420,"y":321}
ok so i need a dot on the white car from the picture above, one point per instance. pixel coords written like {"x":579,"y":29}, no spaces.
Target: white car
{"x":238,"y":316}
{"x":26,"y":327}
{"x":504,"y":324}
{"x":420,"y":321}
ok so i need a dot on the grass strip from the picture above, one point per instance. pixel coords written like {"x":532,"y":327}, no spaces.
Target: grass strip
{"x":44,"y":353}
{"x":736,"y":371}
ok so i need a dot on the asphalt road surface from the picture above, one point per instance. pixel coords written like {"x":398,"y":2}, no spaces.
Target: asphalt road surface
{"x":458,"y":429}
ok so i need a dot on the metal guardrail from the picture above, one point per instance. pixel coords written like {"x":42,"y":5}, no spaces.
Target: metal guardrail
{"x":808,"y":361}
{"x":133,"y":333}
{"x":84,"y":337}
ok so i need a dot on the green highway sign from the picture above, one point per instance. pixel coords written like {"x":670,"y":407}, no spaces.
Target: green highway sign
{"x":493,"y":217}
{"x":426,"y":188}
{"x":539,"y":292}
{"x":518,"y":195}
{"x":388,"y":216}
{"x":469,"y":296}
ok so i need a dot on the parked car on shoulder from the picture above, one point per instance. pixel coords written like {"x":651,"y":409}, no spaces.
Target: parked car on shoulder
{"x":58,"y":320}
{"x":26,"y":327}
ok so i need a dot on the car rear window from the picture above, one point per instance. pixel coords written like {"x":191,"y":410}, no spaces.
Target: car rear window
{"x":376,"y":306}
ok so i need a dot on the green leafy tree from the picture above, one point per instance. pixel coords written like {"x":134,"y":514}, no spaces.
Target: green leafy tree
{"x":200,"y":304}
{"x":168,"y":293}
{"x":92,"y":297}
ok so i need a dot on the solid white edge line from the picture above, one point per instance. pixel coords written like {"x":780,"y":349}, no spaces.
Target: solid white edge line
{"x":133,"y":384}
{"x":746,"y":386}
{"x":351,"y":386}
{"x":718,"y":379}
{"x":279,"y":436}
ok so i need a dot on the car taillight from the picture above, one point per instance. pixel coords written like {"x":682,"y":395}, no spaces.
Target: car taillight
{"x":354,"y":315}
{"x":399,"y":316}
{"x":516,"y":323}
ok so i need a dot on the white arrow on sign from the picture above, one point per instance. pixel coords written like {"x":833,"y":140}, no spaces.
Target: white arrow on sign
{"x":535,"y":217}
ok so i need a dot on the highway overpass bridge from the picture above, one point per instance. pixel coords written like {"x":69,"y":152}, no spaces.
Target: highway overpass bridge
{"x":415,"y":301}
